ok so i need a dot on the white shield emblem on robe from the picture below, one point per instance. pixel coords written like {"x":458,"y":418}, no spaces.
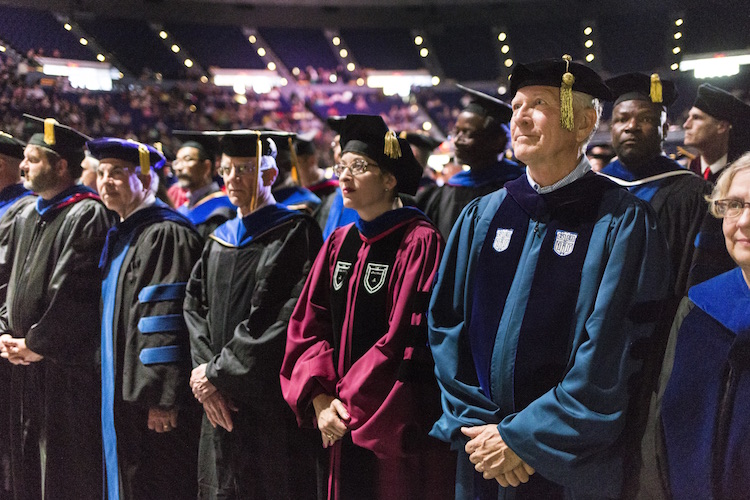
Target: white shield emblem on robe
{"x":502,"y":239}
{"x":375,"y":276}
{"x":339,"y":273}
{"x":564,"y":243}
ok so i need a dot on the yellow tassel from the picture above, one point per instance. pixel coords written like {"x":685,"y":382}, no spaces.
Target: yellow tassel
{"x":3,"y":134}
{"x":256,"y":173}
{"x":49,"y":131}
{"x":392,"y":148}
{"x":402,"y":135}
{"x":566,"y":96}
{"x":159,"y":147}
{"x":293,"y":155}
{"x":144,"y":158}
{"x":655,"y":93}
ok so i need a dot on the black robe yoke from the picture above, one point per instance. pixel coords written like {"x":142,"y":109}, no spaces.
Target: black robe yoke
{"x":239,"y":300}
{"x":52,"y":301}
{"x":147,"y":319}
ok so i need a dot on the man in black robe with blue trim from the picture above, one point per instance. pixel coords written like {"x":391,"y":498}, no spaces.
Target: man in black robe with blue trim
{"x":149,"y":420}
{"x":50,"y":323}
{"x":548,"y":292}
{"x":239,"y":300}
{"x":480,"y":137}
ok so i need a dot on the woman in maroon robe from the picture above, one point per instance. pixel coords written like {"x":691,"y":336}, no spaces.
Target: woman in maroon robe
{"x":357,"y":364}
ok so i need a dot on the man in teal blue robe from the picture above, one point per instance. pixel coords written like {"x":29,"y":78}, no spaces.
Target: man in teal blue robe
{"x":547,"y":298}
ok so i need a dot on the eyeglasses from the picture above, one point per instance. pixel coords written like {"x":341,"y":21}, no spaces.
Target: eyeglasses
{"x":730,"y":208}
{"x":357,"y":167}
{"x":239,"y":169}
{"x":185,"y":159}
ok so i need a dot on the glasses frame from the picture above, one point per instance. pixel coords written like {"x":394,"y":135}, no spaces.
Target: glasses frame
{"x":723,"y":209}
{"x":241,"y":169}
{"x":356,"y":168}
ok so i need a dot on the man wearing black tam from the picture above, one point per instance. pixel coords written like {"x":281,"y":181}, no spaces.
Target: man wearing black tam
{"x":531,"y":322}
{"x":206,"y":206}
{"x":717,"y":126}
{"x":480,"y":136}
{"x":639,"y":127}
{"x":50,"y":323}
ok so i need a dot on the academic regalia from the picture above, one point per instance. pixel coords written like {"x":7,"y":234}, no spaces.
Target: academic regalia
{"x":696,"y":443}
{"x":338,"y":215}
{"x":359,"y":333}
{"x":540,"y":321}
{"x":443,"y":204}
{"x":695,"y":166}
{"x":209,"y":212}
{"x":297,"y":198}
{"x":52,"y":299}
{"x":239,"y":299}
{"x":145,"y":355}
{"x":326,"y":191}
{"x":695,"y":240}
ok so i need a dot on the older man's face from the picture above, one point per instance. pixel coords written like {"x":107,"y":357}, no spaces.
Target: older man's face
{"x":538,"y":138}
{"x":638,"y":129}
{"x":120,"y":186}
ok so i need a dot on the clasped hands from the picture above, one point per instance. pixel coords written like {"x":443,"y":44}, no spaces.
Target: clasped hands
{"x":218,"y":407}
{"x":493,"y":458}
{"x":15,"y":351}
{"x":332,"y":418}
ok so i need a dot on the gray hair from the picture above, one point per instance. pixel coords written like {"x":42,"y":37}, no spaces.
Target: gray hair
{"x":583,"y":101}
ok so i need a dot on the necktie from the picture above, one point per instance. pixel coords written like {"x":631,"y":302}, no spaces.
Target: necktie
{"x":707,"y":173}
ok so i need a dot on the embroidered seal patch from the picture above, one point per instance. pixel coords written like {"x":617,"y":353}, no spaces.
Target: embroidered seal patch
{"x":564,"y":243}
{"x":502,"y":239}
{"x":375,"y":276}
{"x":339,"y":274}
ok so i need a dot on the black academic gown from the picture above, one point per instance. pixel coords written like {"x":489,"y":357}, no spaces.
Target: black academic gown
{"x":239,"y":300}
{"x":443,"y":204}
{"x":52,"y":301}
{"x":145,"y":355}
{"x":12,"y":202}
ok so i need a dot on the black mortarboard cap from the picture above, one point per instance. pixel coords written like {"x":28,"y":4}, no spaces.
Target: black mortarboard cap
{"x":549,"y":73}
{"x":305,"y":143}
{"x":722,"y":105}
{"x":243,"y":143}
{"x":336,"y":123}
{"x":208,"y":145}
{"x":134,"y":152}
{"x":368,"y":135}
{"x":63,"y":140}
{"x":421,"y":140}
{"x":642,"y":87}
{"x":10,"y":146}
{"x":486,"y":105}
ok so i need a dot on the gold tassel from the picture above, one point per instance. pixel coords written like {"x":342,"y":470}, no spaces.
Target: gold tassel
{"x":49,"y":131}
{"x":566,"y":96}
{"x":293,"y":155}
{"x":655,"y":92}
{"x":144,"y":158}
{"x":3,"y":134}
{"x":256,"y":173}
{"x":392,"y":148}
{"x":159,"y":147}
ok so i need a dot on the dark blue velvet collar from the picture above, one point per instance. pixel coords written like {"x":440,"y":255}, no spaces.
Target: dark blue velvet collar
{"x":295,"y":195}
{"x":12,"y":192}
{"x":726,"y":298}
{"x":501,"y":171}
{"x":658,"y":165}
{"x":387,"y":221}
{"x":240,"y":232}
{"x":71,"y":195}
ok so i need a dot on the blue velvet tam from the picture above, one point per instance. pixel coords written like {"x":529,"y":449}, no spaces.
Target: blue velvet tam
{"x":133,"y":152}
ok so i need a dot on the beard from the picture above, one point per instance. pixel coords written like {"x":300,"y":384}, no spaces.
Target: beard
{"x":43,"y":181}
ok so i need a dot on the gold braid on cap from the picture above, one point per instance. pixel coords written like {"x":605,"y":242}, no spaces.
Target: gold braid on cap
{"x":293,"y":157}
{"x":566,"y":96}
{"x":49,"y":131}
{"x":4,"y":134}
{"x":144,"y":159}
{"x":256,"y":173}
{"x":392,"y":148}
{"x":655,"y":93}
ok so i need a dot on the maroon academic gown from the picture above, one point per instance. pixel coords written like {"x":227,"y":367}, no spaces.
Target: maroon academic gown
{"x":359,"y":333}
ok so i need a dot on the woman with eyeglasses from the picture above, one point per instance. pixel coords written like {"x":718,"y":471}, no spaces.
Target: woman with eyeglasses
{"x":697,"y":442}
{"x":238,"y":302}
{"x":357,"y":364}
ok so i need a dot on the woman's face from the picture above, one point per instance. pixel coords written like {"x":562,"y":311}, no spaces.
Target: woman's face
{"x":737,"y":229}
{"x":370,"y":193}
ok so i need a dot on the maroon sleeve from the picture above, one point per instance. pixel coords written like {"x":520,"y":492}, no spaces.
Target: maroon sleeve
{"x":308,"y":368}
{"x":387,"y":406}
